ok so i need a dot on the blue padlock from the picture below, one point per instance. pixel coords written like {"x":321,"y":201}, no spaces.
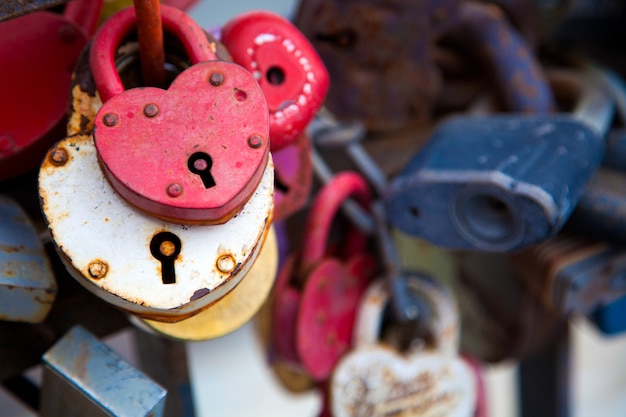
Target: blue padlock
{"x":501,"y":182}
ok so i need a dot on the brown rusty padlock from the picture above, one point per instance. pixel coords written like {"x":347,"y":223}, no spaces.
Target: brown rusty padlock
{"x":150,"y":267}
{"x":316,"y":294}
{"x":380,"y":57}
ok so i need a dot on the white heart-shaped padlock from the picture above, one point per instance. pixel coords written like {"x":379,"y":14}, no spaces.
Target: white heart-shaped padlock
{"x":376,"y":380}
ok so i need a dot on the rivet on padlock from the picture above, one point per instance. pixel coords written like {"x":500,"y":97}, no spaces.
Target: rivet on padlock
{"x":481,"y":182}
{"x":42,"y":48}
{"x":316,"y":295}
{"x":192,"y":153}
{"x":375,"y":379}
{"x":286,"y":66}
{"x":27,"y":284}
{"x":83,"y":376}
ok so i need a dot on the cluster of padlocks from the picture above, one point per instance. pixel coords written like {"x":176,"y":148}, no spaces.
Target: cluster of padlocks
{"x":396,"y":193}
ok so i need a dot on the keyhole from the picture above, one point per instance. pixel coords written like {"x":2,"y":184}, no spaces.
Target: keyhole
{"x":165,"y":247}
{"x":200,"y":164}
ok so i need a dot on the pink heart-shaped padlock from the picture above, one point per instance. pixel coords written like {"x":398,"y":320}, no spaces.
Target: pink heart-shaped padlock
{"x":193,"y":153}
{"x":286,"y":66}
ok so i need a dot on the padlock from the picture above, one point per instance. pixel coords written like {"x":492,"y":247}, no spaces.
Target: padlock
{"x":43,"y":48}
{"x":600,"y":212}
{"x":286,"y":66}
{"x":186,"y":267}
{"x":233,"y":310}
{"x":176,"y":153}
{"x":293,"y":177}
{"x":501,"y":319}
{"x":573,"y":274}
{"x":610,"y":318}
{"x":316,"y":294}
{"x":481,"y":183}
{"x":377,"y":379}
{"x":379,"y":57}
{"x":27,"y":284}
{"x":84,"y":377}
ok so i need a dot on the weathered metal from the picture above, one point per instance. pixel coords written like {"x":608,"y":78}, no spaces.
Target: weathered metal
{"x":376,"y":379}
{"x":193,"y":138}
{"x":104,"y":216}
{"x":286,"y":66}
{"x":150,"y":35}
{"x":82,"y":376}
{"x":506,"y":58}
{"x":15,"y":8}
{"x":379,"y":56}
{"x":573,"y":274}
{"x":27,"y":284}
{"x":42,"y":48}
{"x":316,"y":294}
{"x":234,"y":309}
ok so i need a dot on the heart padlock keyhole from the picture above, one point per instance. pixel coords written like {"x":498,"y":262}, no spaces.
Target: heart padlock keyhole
{"x":200,"y":164}
{"x":165,"y":247}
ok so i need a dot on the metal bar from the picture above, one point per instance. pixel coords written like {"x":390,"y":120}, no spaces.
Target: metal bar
{"x":545,"y":384}
{"x":151,"y":49}
{"x":165,"y":361}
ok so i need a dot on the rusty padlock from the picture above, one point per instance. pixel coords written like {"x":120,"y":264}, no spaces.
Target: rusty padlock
{"x":379,"y":56}
{"x":573,"y":274}
{"x":176,"y":153}
{"x":429,"y":378}
{"x":27,"y":284}
{"x":316,"y":294}
{"x":187,"y":267}
{"x":286,"y":66}
{"x":42,"y":48}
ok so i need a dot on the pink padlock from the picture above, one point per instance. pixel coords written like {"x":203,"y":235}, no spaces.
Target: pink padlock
{"x":38,"y":53}
{"x":317,"y":294}
{"x":286,"y":66}
{"x":193,"y":153}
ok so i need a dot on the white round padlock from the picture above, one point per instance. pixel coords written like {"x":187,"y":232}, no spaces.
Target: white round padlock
{"x":377,"y":380}
{"x":110,"y":246}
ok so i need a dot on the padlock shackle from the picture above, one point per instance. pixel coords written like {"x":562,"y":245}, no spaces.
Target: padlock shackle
{"x":113,"y":31}
{"x":84,"y":14}
{"x":324,"y":210}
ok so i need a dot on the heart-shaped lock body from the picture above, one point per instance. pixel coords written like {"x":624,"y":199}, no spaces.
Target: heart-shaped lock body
{"x":293,"y":177}
{"x":286,"y":66}
{"x":316,"y":294}
{"x":42,"y":49}
{"x":376,"y":380}
{"x":193,"y":153}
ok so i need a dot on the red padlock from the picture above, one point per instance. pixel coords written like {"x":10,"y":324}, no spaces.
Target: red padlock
{"x":193,"y":153}
{"x":286,"y":66}
{"x":316,"y":294}
{"x":293,"y":177}
{"x":38,"y":53}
